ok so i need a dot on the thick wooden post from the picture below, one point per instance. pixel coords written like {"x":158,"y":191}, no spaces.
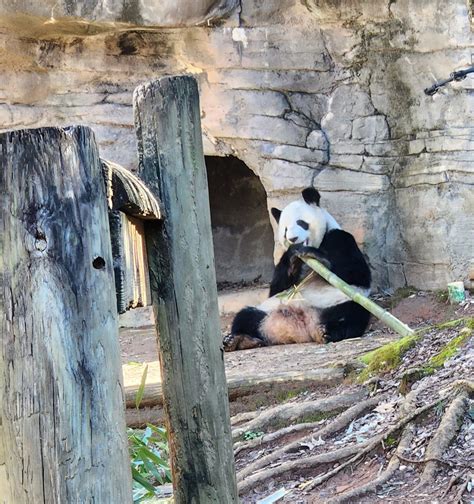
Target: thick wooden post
{"x":61,"y":401}
{"x":184,"y":292}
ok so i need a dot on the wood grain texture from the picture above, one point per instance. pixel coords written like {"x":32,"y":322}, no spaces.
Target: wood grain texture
{"x":184,"y":293}
{"x":61,"y":398}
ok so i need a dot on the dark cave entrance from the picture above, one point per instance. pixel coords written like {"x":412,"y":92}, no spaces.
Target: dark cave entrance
{"x":241,"y":229}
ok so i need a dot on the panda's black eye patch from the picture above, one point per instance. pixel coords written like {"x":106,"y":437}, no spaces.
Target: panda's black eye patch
{"x":303,"y":224}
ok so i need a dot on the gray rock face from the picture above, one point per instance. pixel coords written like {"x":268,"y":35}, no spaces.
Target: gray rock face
{"x":146,"y":12}
{"x":316,"y":92}
{"x":370,"y":129}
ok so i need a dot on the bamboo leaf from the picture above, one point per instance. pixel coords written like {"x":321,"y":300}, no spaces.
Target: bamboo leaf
{"x":152,"y":469}
{"x":140,"y":479}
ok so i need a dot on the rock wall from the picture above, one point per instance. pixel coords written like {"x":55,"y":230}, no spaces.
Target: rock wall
{"x":139,"y":12}
{"x":305,"y":92}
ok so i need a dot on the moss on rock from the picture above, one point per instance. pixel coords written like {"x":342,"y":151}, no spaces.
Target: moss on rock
{"x":386,"y":357}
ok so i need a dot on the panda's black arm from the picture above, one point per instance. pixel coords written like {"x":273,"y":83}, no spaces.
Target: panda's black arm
{"x":303,"y":250}
{"x":286,"y":273}
{"x":340,"y":255}
{"x":345,"y":258}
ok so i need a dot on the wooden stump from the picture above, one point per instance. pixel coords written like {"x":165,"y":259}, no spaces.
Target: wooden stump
{"x":184,"y":292}
{"x":61,"y":397}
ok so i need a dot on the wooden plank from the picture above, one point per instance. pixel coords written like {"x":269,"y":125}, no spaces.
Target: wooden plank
{"x":237,"y":384}
{"x":184,"y":293}
{"x":61,"y":387}
{"x":135,"y":262}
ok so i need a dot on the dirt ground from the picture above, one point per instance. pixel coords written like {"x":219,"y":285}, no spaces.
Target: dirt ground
{"x":350,"y":441}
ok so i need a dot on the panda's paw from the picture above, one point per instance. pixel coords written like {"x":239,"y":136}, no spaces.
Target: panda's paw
{"x":233,"y":342}
{"x":301,"y":249}
{"x":312,"y":253}
{"x":230,"y":342}
{"x":295,"y":265}
{"x":296,"y":249}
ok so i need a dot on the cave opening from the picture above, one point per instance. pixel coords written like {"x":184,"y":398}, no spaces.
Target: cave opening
{"x":241,"y":229}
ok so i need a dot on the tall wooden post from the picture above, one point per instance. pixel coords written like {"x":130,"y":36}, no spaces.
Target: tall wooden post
{"x":60,"y":376}
{"x":184,"y":293}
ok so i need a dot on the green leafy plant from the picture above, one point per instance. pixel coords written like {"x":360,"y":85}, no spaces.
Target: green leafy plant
{"x":149,"y":460}
{"x":149,"y":454}
{"x":249,"y":435}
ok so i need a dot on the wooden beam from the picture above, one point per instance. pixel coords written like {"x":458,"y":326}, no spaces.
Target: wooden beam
{"x":61,"y":400}
{"x":127,"y":193}
{"x":184,"y":293}
{"x":237,"y":385}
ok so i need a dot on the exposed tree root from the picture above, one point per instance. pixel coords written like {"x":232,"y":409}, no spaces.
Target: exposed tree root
{"x":246,"y":416}
{"x":373,"y":444}
{"x":336,"y":425}
{"x":453,"y":481}
{"x":447,"y":430}
{"x":462,"y":489}
{"x":273,"y":436}
{"x":393,"y":465}
{"x":296,"y":411}
{"x":297,"y":465}
{"x":438,"y":460}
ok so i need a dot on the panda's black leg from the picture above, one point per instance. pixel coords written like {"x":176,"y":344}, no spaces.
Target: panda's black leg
{"x":344,"y":321}
{"x":245,"y":332}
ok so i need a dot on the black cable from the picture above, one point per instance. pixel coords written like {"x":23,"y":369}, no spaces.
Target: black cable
{"x":455,"y":76}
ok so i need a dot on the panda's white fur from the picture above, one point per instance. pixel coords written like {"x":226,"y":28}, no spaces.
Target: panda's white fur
{"x":317,"y":292}
{"x":312,"y":313}
{"x":319,"y":220}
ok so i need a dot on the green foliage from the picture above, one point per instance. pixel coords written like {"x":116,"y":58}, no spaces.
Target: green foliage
{"x":470,"y":323}
{"x":249,"y":435}
{"x":149,"y":460}
{"x":285,"y":395}
{"x":451,"y":323}
{"x":441,"y":295}
{"x":390,"y":441}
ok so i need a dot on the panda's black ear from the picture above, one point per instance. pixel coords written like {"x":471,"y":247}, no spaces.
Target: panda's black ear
{"x":276,"y":214}
{"x":311,"y":196}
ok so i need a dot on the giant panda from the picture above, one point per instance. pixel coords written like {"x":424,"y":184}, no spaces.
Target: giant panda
{"x":317,"y":311}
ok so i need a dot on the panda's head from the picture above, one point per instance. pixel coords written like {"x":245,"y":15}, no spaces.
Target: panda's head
{"x":304,"y":221}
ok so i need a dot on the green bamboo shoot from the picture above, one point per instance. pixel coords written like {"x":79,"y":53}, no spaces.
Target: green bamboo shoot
{"x":383,"y":315}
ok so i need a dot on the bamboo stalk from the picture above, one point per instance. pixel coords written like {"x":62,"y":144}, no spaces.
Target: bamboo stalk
{"x":383,"y":315}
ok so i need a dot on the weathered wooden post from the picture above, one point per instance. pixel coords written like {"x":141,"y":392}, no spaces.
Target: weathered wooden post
{"x":184,"y":292}
{"x":60,"y":377}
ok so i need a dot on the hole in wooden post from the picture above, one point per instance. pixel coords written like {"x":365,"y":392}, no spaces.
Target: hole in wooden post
{"x":40,"y":240}
{"x":98,"y":263}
